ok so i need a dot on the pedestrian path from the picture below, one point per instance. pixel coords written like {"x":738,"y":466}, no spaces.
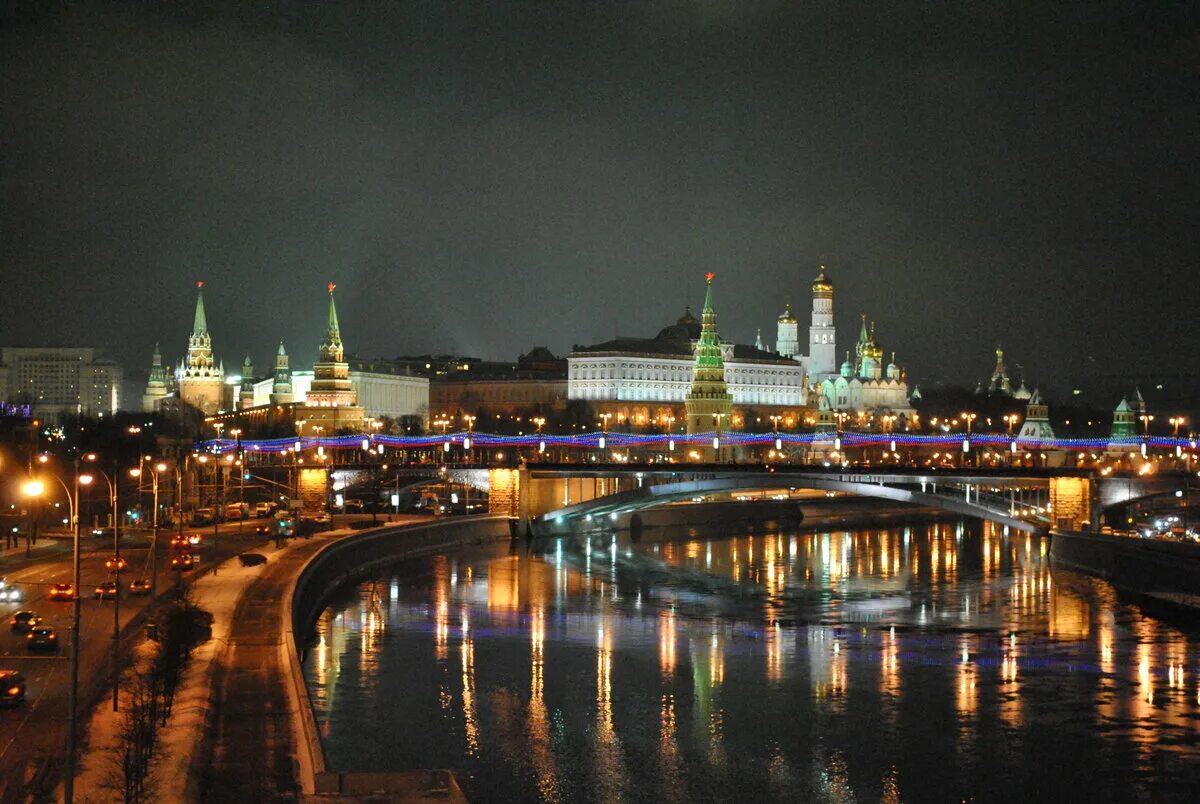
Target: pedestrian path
{"x":184,"y":742}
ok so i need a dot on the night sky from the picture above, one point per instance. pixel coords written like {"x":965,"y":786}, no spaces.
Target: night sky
{"x":482,"y":178}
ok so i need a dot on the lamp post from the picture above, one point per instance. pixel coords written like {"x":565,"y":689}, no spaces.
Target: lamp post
{"x":116,"y":631}
{"x":35,"y":488}
{"x":540,"y":421}
{"x":717,"y":437}
{"x":604,"y":417}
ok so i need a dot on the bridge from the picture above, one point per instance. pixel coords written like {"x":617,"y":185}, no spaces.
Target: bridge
{"x":563,"y":482}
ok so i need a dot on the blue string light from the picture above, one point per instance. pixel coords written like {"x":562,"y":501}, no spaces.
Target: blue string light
{"x":591,"y":440}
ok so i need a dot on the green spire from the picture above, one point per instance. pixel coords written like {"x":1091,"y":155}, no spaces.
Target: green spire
{"x":200,"y":326}
{"x":333,"y":322}
{"x":331,"y":347}
{"x":863,"y":336}
{"x":281,"y":350}
{"x":710,"y":365}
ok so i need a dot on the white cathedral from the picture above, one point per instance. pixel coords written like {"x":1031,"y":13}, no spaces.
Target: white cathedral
{"x":660,"y":369}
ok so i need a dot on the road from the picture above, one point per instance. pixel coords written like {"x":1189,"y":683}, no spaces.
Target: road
{"x":33,"y":736}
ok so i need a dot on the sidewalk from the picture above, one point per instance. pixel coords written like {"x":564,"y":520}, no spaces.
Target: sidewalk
{"x":182,"y":743}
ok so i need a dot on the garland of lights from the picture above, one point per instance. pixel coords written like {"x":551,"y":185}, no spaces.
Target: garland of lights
{"x":607,"y":440}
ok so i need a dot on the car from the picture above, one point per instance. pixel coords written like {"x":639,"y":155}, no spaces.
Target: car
{"x":179,"y":541}
{"x":182,"y":562}
{"x":264,"y":528}
{"x":22,"y":621}
{"x":108,"y":589}
{"x":195,"y":540}
{"x":263,"y":509}
{"x":115,"y":563}
{"x":12,"y":687}
{"x":43,"y":637}
{"x":203,"y":516}
{"x":103,"y":533}
{"x":62,"y":591}
{"x":9,"y":593}
{"x":236,"y":511}
{"x":140,"y":587}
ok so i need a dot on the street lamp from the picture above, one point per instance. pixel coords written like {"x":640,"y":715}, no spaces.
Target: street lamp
{"x":539,"y":421}
{"x":116,"y":635}
{"x":604,"y":417}
{"x":35,"y":488}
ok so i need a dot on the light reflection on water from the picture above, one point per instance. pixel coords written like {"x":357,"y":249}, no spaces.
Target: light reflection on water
{"x":923,"y":662}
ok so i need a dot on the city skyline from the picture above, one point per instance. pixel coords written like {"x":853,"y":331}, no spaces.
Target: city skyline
{"x":483,"y":183}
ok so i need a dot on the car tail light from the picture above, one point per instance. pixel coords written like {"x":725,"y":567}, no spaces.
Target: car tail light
{"x":14,"y":690}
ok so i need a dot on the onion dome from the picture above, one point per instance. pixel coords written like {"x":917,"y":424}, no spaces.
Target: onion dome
{"x":847,"y":367}
{"x":787,"y":317}
{"x":822,"y":285}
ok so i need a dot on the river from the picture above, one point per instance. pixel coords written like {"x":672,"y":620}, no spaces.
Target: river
{"x":933,"y":662}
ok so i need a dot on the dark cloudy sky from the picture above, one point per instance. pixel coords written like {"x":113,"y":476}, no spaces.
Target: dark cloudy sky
{"x":481,"y":178}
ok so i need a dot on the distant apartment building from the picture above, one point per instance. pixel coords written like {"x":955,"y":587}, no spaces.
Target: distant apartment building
{"x":57,"y":380}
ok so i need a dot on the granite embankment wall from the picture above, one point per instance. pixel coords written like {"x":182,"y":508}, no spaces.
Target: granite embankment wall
{"x":1142,"y":566}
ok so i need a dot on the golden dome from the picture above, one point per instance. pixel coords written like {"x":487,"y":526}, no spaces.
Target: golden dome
{"x":822,"y":284}
{"x":787,"y":317}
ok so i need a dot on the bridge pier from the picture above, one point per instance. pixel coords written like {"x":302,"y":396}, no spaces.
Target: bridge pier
{"x":1073,"y":503}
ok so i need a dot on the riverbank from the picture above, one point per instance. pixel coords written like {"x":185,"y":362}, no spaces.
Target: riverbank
{"x":1157,"y":569}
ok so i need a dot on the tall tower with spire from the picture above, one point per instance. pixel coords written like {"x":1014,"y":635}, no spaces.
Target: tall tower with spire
{"x":281,"y":387}
{"x":331,"y":405}
{"x":156,"y":387}
{"x":708,"y":403}
{"x":246,"y":391}
{"x":201,"y":382}
{"x":822,"y":336}
{"x":331,"y":373}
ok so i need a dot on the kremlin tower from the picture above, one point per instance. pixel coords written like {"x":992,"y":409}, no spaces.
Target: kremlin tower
{"x":709,"y":404}
{"x":200,"y":382}
{"x":332,"y":403}
{"x":156,"y":388}
{"x":281,"y":386}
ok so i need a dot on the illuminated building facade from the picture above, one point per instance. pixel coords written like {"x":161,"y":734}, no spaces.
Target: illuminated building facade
{"x":57,"y":380}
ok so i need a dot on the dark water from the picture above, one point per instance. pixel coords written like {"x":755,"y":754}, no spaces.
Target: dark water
{"x":930,"y":663}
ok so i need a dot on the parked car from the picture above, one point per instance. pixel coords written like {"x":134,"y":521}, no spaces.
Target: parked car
{"x":107,"y":590}
{"x":62,"y":591}
{"x":264,"y":509}
{"x":235,"y":511}
{"x":12,"y":687}
{"x":139,"y":587}
{"x":43,"y":637}
{"x":22,"y":621}
{"x":203,"y":516}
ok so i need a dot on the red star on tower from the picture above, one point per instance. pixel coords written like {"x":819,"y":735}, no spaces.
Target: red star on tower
{"x":331,"y":287}
{"x":709,"y":276}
